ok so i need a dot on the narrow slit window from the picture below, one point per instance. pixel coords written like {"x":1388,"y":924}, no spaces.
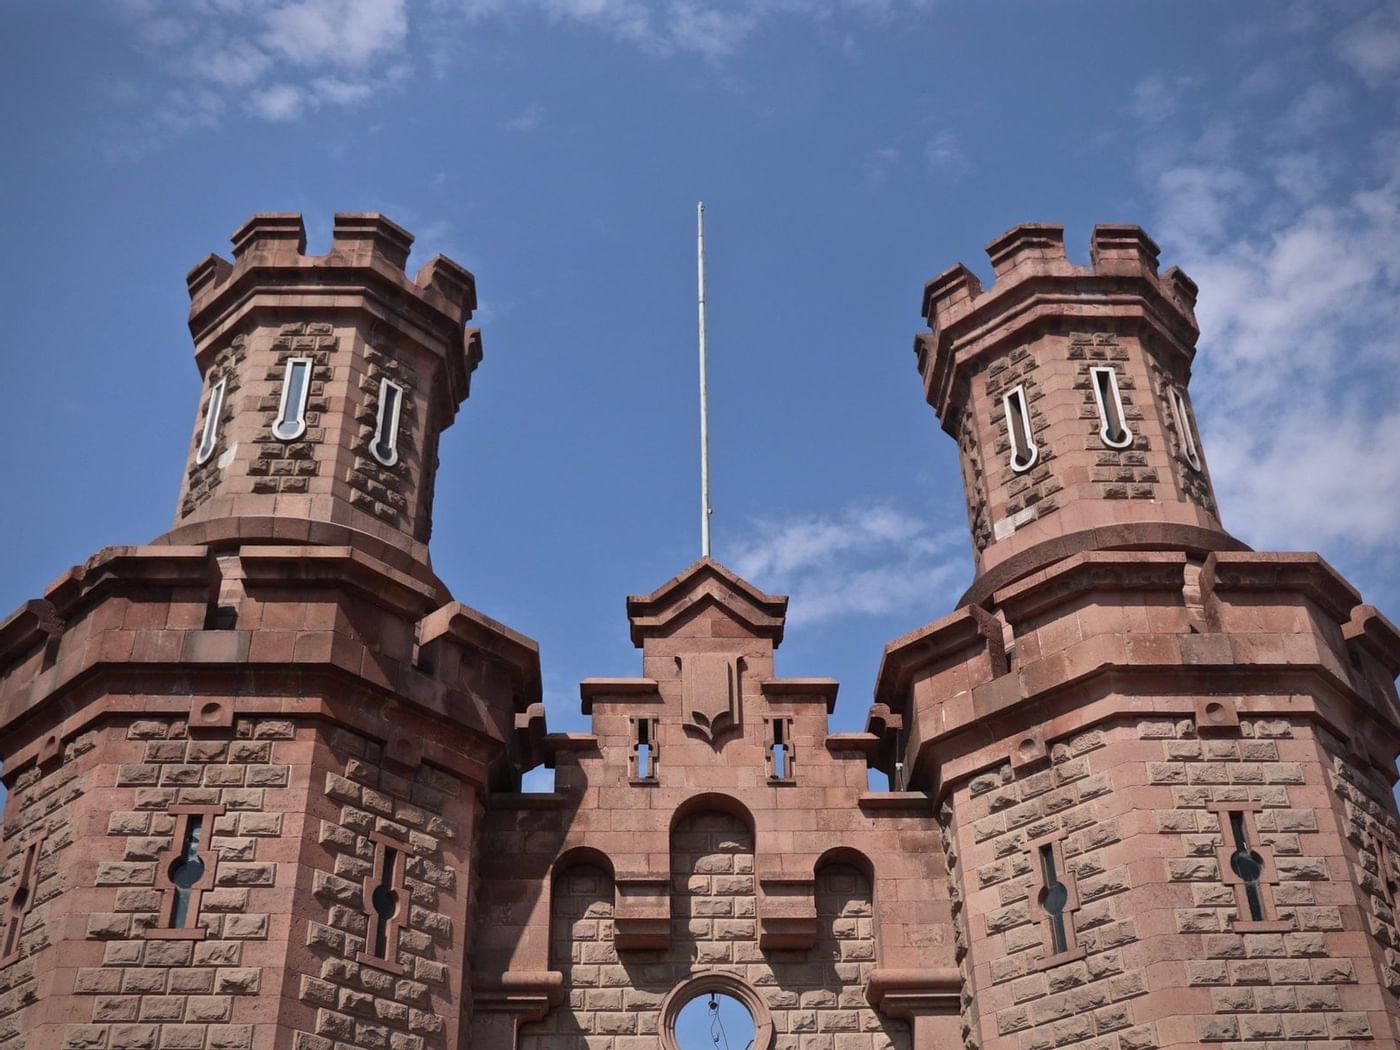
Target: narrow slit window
{"x":644,"y":756}
{"x":1113,"y":424}
{"x":1054,"y":895}
{"x":1247,"y":865}
{"x":186,"y":872}
{"x":386,"y":903}
{"x":1018,"y":429}
{"x":781,"y":757}
{"x":20,"y":900}
{"x":386,"y":431}
{"x":209,"y":436}
{"x":383,"y":896}
{"x":1187,"y":438}
{"x":291,"y":414}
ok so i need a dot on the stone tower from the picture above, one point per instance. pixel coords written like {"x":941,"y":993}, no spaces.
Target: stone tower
{"x":1162,"y":762}
{"x":246,"y":763}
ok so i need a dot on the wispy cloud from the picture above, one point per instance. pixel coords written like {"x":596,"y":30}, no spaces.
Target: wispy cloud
{"x":528,"y":119}
{"x":274,"y":60}
{"x":1300,"y":297}
{"x":944,"y":153}
{"x":863,"y":561}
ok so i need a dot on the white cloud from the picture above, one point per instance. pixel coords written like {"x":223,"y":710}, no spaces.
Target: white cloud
{"x":277,"y":60}
{"x":528,"y":119}
{"x":1157,"y":97}
{"x":1371,"y":46}
{"x":944,"y":154}
{"x":864,"y":561}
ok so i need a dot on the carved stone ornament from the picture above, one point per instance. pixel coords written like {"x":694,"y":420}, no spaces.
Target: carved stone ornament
{"x":710,"y":688}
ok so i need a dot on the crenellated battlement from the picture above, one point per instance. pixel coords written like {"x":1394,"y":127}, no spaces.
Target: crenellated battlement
{"x":368,"y":253}
{"x":1035,"y":252}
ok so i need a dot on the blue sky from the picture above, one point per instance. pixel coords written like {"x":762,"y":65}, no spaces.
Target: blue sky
{"x":847,"y":150}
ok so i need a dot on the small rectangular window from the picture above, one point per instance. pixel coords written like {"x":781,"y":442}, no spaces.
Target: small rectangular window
{"x":1018,"y":429}
{"x":386,"y":431}
{"x":291,"y":413}
{"x":781,"y":759}
{"x":209,"y":436}
{"x":1113,"y":425}
{"x":1186,"y":439}
{"x":645,"y":754}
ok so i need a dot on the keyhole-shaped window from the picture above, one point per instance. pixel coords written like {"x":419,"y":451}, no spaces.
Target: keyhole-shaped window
{"x":209,"y":435}
{"x":385,"y":900}
{"x":291,"y":414}
{"x":1054,"y":895}
{"x":1181,"y":415}
{"x":386,"y":431}
{"x":1248,"y":865}
{"x":1018,"y":429}
{"x":1113,"y":425}
{"x":186,"y":872}
{"x":19,"y":900}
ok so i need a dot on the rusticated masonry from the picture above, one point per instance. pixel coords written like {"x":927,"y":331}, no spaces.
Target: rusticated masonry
{"x":974,"y":471}
{"x":1193,"y":483}
{"x":1039,"y":998}
{"x":383,"y":979}
{"x":1029,"y":494}
{"x":1120,"y":473}
{"x":612,"y":999}
{"x":379,"y":489}
{"x":1371,"y":829}
{"x":39,"y":829}
{"x":226,"y":368}
{"x":1288,"y":975}
{"x":160,"y":983}
{"x":288,"y":466}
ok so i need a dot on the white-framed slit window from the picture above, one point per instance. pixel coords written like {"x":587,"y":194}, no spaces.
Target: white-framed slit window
{"x":1113,"y":424}
{"x":1018,"y":429}
{"x":291,"y":413}
{"x":1186,"y":436}
{"x":385,"y":446}
{"x":209,"y":434}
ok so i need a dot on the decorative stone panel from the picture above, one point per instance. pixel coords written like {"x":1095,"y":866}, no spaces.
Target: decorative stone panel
{"x":381,"y":490}
{"x":39,"y":815}
{"x":397,"y":1003}
{"x":1291,"y":981}
{"x":204,"y":477}
{"x":287,"y":466}
{"x":1029,"y":495}
{"x":612,"y":998}
{"x":153,"y":991}
{"x":1119,"y":473}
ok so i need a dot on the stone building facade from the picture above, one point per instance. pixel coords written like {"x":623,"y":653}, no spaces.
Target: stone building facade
{"x":264,"y":773}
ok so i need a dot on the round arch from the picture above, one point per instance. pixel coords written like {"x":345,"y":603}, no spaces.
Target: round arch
{"x":717,"y":802}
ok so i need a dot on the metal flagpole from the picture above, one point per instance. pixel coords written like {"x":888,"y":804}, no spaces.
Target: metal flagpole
{"x":704,"y":389}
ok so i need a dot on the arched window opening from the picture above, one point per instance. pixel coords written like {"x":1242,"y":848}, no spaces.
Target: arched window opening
{"x":1186,"y":437}
{"x":386,"y":432}
{"x":714,"y":1021}
{"x":1018,"y":429}
{"x":209,"y":436}
{"x":291,"y":412}
{"x":1113,"y":424}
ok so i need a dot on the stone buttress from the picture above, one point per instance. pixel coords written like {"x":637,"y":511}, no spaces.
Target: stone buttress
{"x":1163,"y":763}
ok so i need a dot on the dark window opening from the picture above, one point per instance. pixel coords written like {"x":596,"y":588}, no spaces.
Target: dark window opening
{"x":1113,"y":425}
{"x":644,"y":757}
{"x":291,"y":414}
{"x":386,"y":902}
{"x":1054,"y":895}
{"x":1248,"y":865}
{"x":186,"y":872}
{"x":386,"y":436}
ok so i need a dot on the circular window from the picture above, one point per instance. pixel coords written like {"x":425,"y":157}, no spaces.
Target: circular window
{"x":715,"y":1011}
